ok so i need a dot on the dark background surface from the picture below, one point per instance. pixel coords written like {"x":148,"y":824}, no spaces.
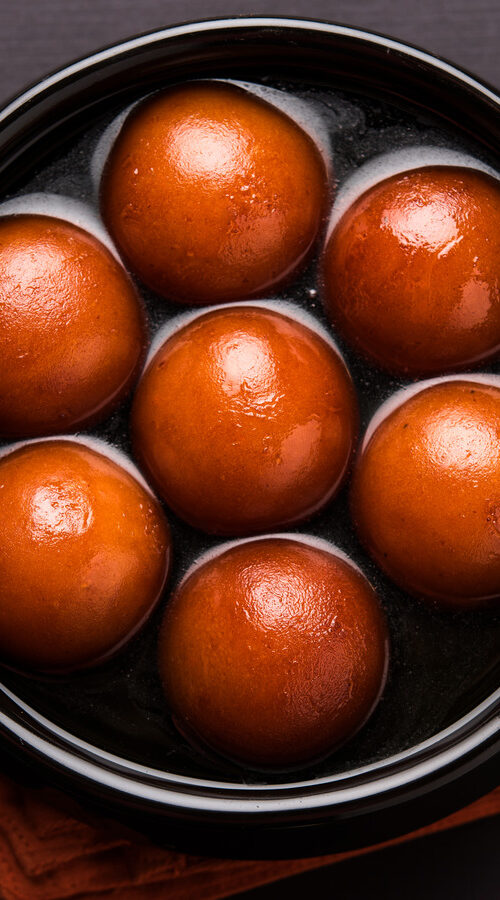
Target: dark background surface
{"x":38,"y":36}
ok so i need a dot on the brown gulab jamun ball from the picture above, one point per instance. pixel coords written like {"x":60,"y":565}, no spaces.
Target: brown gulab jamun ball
{"x":72,"y":330}
{"x":273,"y":653}
{"x":412,"y":271}
{"x":84,"y":555}
{"x":426,"y":493}
{"x":213,"y":194}
{"x":244,"y":420}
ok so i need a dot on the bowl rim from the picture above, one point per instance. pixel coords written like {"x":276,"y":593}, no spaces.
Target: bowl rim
{"x":37,"y":89}
{"x":464,"y":739}
{"x":154,"y":785}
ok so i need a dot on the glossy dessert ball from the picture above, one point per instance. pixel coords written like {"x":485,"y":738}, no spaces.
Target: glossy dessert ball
{"x":72,"y":333}
{"x":412,"y":271}
{"x":84,"y":554}
{"x":273,"y":653}
{"x":244,"y":420}
{"x":426,"y":493}
{"x":212,"y":194}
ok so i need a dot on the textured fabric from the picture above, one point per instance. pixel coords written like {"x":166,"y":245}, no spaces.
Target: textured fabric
{"x":48,"y":854}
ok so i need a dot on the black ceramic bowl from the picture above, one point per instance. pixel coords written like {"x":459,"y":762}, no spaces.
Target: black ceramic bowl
{"x":433,"y":744}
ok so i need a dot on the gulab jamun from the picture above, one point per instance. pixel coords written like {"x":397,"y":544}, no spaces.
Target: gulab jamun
{"x":426,"y":493}
{"x":245,"y":419}
{"x":72,"y":330}
{"x":273,"y":653}
{"x":213,"y":194}
{"x":412,"y":271}
{"x":84,"y":555}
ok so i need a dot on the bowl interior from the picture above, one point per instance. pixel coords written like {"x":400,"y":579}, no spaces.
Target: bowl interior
{"x":442,"y":664}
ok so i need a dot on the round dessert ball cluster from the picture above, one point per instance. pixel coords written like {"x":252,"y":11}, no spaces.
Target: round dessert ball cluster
{"x":412,"y":271}
{"x":213,"y":194}
{"x":245,"y":419}
{"x":273,"y":652}
{"x":72,"y":328}
{"x":84,"y":555}
{"x":426,"y":493}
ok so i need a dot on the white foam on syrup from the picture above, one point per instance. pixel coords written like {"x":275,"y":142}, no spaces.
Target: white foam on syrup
{"x":397,"y":162}
{"x":105,"y":144}
{"x":306,"y":113}
{"x":406,"y":393}
{"x":58,"y":206}
{"x":93,"y":443}
{"x":310,"y":540}
{"x":285,"y":307}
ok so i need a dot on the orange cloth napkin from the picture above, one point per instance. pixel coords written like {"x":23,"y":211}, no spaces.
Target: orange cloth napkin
{"x":48,"y":854}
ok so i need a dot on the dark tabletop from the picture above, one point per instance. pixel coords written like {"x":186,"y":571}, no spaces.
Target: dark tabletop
{"x":38,"y":36}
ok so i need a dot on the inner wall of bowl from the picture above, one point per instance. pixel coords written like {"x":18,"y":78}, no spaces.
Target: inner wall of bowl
{"x":442,"y":664}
